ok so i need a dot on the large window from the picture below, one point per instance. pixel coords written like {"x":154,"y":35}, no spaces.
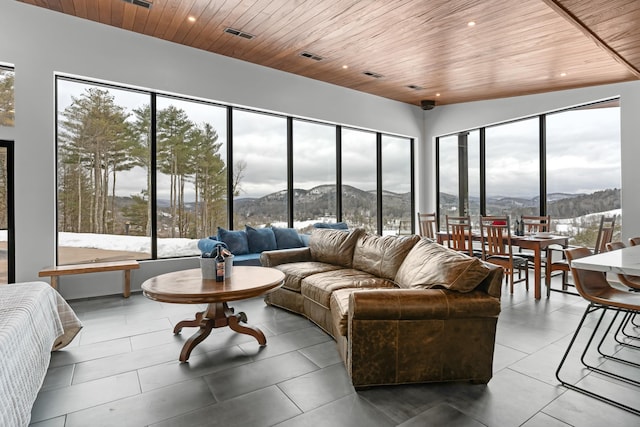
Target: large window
{"x":143,"y":175}
{"x":513,"y":169}
{"x":102,"y":173}
{"x":260,"y":168}
{"x":580,"y":175}
{"x":583,"y":169}
{"x":191,"y":178}
{"x":314,"y":174}
{"x":7,"y":112}
{"x":396,"y":185}
{"x":459,"y":176}
{"x":359,"y":172}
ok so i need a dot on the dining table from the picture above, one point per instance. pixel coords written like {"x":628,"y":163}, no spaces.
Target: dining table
{"x":534,"y":242}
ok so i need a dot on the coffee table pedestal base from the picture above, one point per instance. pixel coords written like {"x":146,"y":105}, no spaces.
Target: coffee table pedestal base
{"x":217,"y":315}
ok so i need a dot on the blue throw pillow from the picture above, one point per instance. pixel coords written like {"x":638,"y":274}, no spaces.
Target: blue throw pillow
{"x":236,"y":240}
{"x":260,"y":239}
{"x":287,"y":238}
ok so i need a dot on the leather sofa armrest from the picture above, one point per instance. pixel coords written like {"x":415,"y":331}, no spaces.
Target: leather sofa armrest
{"x":284,"y":256}
{"x":417,"y":304}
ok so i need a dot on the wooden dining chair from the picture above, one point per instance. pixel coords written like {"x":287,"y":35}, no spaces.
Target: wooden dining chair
{"x":536,"y":224}
{"x":594,"y":287}
{"x":497,"y":249}
{"x":427,"y":225}
{"x":459,"y":231}
{"x":533,"y":225}
{"x":605,"y":235}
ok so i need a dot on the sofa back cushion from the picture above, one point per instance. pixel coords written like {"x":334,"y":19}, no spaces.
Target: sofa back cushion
{"x":236,"y":241}
{"x":431,"y":265}
{"x":382,"y":255}
{"x":334,"y":246}
{"x":287,"y":238}
{"x":260,"y":239}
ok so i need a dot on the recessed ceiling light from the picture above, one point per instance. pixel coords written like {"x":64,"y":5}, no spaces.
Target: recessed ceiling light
{"x":191,"y":19}
{"x":563,"y":74}
{"x":437,"y":94}
{"x":345,"y":67}
{"x":471,"y":24}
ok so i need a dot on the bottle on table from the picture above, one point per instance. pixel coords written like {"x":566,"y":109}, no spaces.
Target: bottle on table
{"x":219,"y":266}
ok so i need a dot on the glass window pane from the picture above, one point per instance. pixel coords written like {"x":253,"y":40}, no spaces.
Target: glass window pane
{"x":102,"y":180}
{"x":513,"y":169}
{"x":359,"y":184}
{"x":396,"y":185}
{"x":583,"y":170}
{"x":7,"y":109}
{"x":314,"y":174}
{"x":191,"y":174}
{"x":448,"y":177}
{"x":259,"y":169}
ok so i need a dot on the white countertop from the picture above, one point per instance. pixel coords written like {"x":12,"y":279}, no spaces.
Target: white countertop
{"x":622,"y":261}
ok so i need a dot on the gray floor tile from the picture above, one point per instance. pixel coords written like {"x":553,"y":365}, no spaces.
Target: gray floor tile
{"x":543,"y":420}
{"x":147,"y":408}
{"x":82,"y":353}
{"x":260,"y":408}
{"x":263,"y":373}
{"x":349,"y":411}
{"x":55,"y":402}
{"x":318,"y":388}
{"x":51,"y":422}
{"x":442,"y":415}
{"x":200,"y":364}
{"x":125,"y":362}
{"x":58,"y":377}
{"x":323,"y":354}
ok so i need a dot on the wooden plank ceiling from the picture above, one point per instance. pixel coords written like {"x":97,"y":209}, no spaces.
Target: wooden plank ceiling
{"x":515,"y":47}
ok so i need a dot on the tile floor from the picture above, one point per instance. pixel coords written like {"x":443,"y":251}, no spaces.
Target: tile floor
{"x":122,"y":370}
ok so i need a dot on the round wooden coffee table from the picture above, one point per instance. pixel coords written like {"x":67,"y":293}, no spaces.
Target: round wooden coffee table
{"x":188,"y":287}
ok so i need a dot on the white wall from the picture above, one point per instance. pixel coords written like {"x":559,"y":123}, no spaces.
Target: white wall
{"x":41,"y":43}
{"x":452,"y":118}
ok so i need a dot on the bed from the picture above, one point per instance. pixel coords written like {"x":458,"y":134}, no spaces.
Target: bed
{"x":34,"y":321}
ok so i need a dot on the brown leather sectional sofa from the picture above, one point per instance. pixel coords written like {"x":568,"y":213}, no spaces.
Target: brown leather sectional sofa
{"x":401,"y":309}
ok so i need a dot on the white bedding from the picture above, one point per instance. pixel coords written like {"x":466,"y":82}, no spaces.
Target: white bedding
{"x":34,"y":320}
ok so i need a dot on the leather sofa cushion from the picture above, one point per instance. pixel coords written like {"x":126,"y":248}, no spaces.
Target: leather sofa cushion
{"x":334,"y":246}
{"x":431,"y":265}
{"x":294,"y":272}
{"x":382,"y":255}
{"x":319,"y":287}
{"x":340,"y":310}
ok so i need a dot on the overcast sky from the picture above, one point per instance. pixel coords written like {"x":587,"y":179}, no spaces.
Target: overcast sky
{"x":583,"y":151}
{"x":583,"y":155}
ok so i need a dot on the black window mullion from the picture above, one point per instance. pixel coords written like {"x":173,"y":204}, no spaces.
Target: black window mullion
{"x":230,"y":168}
{"x":339,"y":173}
{"x":153,"y":191}
{"x":412,"y":185}
{"x":543,"y":164}
{"x":437,"y":210}
{"x":290,"y":192}
{"x":483,"y":174}
{"x":379,"y":181}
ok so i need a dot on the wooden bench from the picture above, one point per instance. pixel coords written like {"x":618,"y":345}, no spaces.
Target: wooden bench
{"x":94,"y":267}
